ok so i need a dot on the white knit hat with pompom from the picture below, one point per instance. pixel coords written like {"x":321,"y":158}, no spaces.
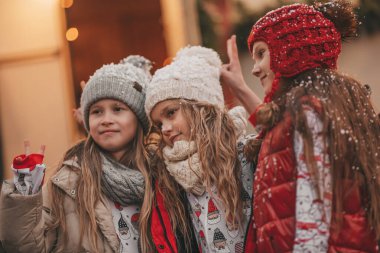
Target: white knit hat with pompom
{"x":193,"y":75}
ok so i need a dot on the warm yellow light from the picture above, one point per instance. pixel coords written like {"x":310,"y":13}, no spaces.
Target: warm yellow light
{"x":66,"y":3}
{"x":72,"y":34}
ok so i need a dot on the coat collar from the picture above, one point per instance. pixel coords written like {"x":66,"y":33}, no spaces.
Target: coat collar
{"x":67,"y":179}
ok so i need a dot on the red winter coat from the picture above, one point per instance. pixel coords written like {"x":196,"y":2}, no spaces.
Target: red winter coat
{"x":272,"y":228}
{"x":163,"y":236}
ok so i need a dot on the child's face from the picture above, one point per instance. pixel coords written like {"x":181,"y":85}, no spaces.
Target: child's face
{"x":261,"y":68}
{"x":169,"y":118}
{"x":112,"y":126}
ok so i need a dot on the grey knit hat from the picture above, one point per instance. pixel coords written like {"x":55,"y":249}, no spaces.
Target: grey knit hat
{"x":125,"y":82}
{"x":194,"y":75}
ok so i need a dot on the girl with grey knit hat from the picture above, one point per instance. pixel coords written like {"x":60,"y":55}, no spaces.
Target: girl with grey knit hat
{"x":200,"y":153}
{"x":92,"y":202}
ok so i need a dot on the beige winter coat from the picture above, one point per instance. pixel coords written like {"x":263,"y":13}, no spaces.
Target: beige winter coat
{"x":23,"y":219}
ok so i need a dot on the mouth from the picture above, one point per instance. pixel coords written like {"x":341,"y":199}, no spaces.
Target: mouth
{"x":108,"y":131}
{"x":173,"y":138}
{"x":263,"y":77}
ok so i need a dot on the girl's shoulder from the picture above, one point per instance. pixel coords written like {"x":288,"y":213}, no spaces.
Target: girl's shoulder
{"x":67,"y":177}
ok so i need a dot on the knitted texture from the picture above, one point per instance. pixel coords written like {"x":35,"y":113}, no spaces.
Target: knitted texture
{"x":238,"y":116}
{"x":122,"y":184}
{"x":299,"y":38}
{"x":183,"y":163}
{"x":125,"y":82}
{"x":193,"y":75}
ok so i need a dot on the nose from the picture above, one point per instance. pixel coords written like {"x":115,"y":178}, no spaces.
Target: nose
{"x":256,"y":70}
{"x":107,"y":119}
{"x":166,"y":128}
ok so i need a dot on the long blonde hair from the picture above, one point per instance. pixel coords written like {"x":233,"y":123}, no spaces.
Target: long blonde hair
{"x":214,"y":134}
{"x":89,"y":192}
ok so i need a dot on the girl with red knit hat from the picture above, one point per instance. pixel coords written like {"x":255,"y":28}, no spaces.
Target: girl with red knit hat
{"x":316,"y":186}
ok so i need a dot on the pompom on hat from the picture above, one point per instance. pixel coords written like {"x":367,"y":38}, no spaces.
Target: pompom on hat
{"x":299,"y":38}
{"x":193,"y":75}
{"x":125,"y":82}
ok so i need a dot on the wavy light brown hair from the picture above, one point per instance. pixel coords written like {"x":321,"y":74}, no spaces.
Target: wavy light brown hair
{"x":89,"y":192}
{"x":214,"y":134}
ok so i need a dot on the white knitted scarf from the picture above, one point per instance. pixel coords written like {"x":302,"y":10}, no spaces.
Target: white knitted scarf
{"x":182,"y":162}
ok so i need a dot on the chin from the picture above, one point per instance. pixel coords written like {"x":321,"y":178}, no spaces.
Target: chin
{"x":267,"y":91}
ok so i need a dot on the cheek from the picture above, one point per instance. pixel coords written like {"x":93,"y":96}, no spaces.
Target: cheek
{"x":266,"y":64}
{"x":271,"y":78}
{"x":182,"y":123}
{"x":131,"y":124}
{"x":92,"y":123}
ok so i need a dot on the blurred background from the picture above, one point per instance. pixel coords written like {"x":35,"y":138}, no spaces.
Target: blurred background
{"x":48,"y":46}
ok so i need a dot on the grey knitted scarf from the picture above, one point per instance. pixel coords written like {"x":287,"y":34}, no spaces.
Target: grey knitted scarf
{"x":122,"y":184}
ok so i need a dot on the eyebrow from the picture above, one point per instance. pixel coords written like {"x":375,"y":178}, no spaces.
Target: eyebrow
{"x":258,"y":48}
{"x":121,"y":104}
{"x":167,"y":108}
{"x":161,"y":113}
{"x":94,"y":106}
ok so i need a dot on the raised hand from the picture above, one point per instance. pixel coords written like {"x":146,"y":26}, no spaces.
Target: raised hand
{"x":231,"y":73}
{"x":29,"y":170}
{"x":232,"y":76}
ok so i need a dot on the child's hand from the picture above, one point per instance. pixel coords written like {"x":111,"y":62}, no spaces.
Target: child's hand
{"x":29,"y":170}
{"x":231,"y":73}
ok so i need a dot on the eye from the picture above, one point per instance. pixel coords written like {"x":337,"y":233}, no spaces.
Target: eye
{"x":260,"y":53}
{"x":171,"y":112}
{"x":119,"y":108}
{"x":95,"y":111}
{"x":157,"y":126}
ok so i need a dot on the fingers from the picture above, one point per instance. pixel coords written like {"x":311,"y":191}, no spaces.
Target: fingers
{"x":42,"y":149}
{"x":229,"y":49}
{"x":232,"y":50}
{"x":27,"y":147}
{"x":234,"y":47}
{"x":226,"y":67}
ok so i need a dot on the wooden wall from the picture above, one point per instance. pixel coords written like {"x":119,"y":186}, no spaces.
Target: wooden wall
{"x":112,"y":30}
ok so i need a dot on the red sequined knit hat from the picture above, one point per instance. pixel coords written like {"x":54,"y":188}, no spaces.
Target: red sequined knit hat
{"x":299,"y":38}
